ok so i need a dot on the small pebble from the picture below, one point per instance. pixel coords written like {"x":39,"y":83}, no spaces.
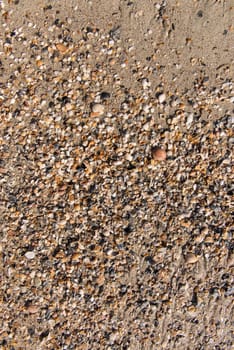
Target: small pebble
{"x":191,"y":258}
{"x":98,"y":110}
{"x":159,"y":154}
{"x":33,"y":309}
{"x":161,"y":98}
{"x":189,"y":120}
{"x":61,"y":48}
{"x":30,"y":255}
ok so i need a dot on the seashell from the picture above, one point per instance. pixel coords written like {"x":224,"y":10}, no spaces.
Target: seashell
{"x":159,"y":154}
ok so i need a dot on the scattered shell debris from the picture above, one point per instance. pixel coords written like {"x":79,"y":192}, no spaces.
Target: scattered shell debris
{"x":116,"y":145}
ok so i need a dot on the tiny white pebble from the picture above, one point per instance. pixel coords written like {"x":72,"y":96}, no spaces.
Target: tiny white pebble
{"x":30,"y":255}
{"x":161,"y":98}
{"x":189,"y":120}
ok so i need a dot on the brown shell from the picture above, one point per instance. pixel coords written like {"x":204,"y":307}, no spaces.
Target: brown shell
{"x":159,"y":154}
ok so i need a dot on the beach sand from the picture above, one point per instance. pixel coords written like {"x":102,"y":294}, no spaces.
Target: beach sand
{"x":116,"y":174}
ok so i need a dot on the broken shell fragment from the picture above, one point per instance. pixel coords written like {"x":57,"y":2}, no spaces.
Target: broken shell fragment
{"x":159,"y":154}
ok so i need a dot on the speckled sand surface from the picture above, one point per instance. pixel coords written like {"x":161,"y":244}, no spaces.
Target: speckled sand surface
{"x":116,"y":174}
